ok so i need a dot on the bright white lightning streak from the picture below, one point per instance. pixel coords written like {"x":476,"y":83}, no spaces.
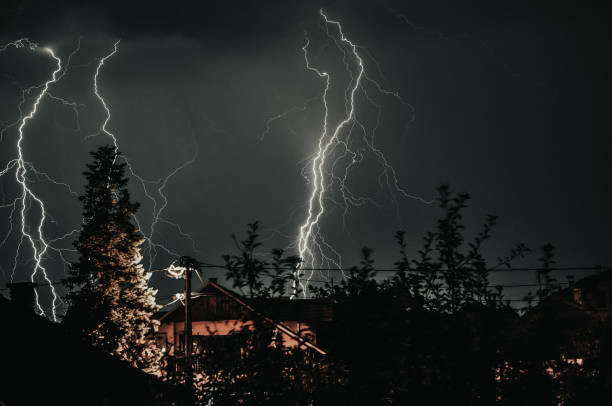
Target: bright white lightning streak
{"x":316,"y":206}
{"x":310,"y":241}
{"x":20,"y":43}
{"x":38,"y":243}
{"x":23,"y":168}
{"x":284,"y":114}
{"x":107,"y":117}
{"x":162,"y":182}
{"x":158,"y":209}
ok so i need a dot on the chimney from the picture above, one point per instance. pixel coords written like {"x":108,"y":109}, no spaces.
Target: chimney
{"x":22,"y":295}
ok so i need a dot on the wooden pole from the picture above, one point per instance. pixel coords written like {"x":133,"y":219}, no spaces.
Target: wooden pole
{"x":188,"y":331}
{"x":294,"y":283}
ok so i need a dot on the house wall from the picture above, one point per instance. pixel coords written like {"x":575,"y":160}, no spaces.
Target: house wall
{"x":174,"y":329}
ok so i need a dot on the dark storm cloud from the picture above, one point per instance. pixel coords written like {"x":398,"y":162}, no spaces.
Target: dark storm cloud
{"x":243,"y":20}
{"x":230,"y":20}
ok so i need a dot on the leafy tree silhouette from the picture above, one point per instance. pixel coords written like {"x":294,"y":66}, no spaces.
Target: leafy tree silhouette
{"x":437,"y":330}
{"x":247,"y":269}
{"x":265,"y":372}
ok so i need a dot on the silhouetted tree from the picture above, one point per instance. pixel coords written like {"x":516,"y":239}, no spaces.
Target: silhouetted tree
{"x":249,"y":270}
{"x":451,"y":272}
{"x":435,"y":331}
{"x":264,"y":372}
{"x":111,"y":304}
{"x":547,"y":284}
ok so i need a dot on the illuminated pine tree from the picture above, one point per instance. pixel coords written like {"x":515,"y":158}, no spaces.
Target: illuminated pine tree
{"x":111,"y":304}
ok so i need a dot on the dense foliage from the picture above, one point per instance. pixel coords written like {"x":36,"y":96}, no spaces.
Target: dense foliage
{"x":436,"y":331}
{"x":111,"y":304}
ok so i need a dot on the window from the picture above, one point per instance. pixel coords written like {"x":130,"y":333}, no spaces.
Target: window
{"x":577,"y":295}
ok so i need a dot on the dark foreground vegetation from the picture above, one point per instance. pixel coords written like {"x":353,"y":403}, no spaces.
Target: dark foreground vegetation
{"x":434,"y":331}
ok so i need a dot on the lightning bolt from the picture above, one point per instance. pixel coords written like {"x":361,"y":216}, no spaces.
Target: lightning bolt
{"x":107,"y":117}
{"x":25,"y":172}
{"x":27,"y":197}
{"x":323,"y":167}
{"x":159,"y":205}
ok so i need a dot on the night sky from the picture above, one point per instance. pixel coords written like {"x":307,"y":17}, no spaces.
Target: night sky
{"x":508,"y":101}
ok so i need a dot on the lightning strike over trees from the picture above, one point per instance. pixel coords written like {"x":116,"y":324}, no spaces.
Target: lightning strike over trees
{"x":111,"y":303}
{"x":158,"y":205}
{"x":28,"y":200}
{"x":338,"y":152}
{"x":29,"y":209}
{"x":102,"y":298}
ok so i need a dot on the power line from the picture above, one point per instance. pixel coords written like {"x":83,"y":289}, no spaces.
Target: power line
{"x":523,"y":285}
{"x":163,"y":297}
{"x":518,"y":269}
{"x":509,"y":269}
{"x":581,"y":269}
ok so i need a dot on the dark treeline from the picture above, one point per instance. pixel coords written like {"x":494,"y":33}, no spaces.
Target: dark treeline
{"x":437,"y":331}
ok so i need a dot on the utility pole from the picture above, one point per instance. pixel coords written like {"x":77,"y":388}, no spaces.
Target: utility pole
{"x":296,"y":281}
{"x":189,"y":264}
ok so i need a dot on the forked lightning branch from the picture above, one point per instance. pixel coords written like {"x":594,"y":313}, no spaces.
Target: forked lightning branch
{"x":29,"y":208}
{"x":331,"y":165}
{"x":334,"y":145}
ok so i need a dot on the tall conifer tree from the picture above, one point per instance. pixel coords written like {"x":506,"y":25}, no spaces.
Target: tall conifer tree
{"x":110,"y":301}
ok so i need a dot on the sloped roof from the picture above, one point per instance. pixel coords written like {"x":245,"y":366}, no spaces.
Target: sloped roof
{"x":62,"y":369}
{"x":600,"y":279}
{"x":560,"y":308}
{"x":588,"y":284}
{"x":249,"y":306}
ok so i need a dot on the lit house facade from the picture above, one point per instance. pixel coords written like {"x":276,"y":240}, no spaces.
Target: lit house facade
{"x":219,"y":315}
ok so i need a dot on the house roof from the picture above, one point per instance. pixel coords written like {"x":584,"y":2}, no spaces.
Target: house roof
{"x":561,"y":307}
{"x":63,"y":369}
{"x":598,"y":280}
{"x":261,"y":307}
